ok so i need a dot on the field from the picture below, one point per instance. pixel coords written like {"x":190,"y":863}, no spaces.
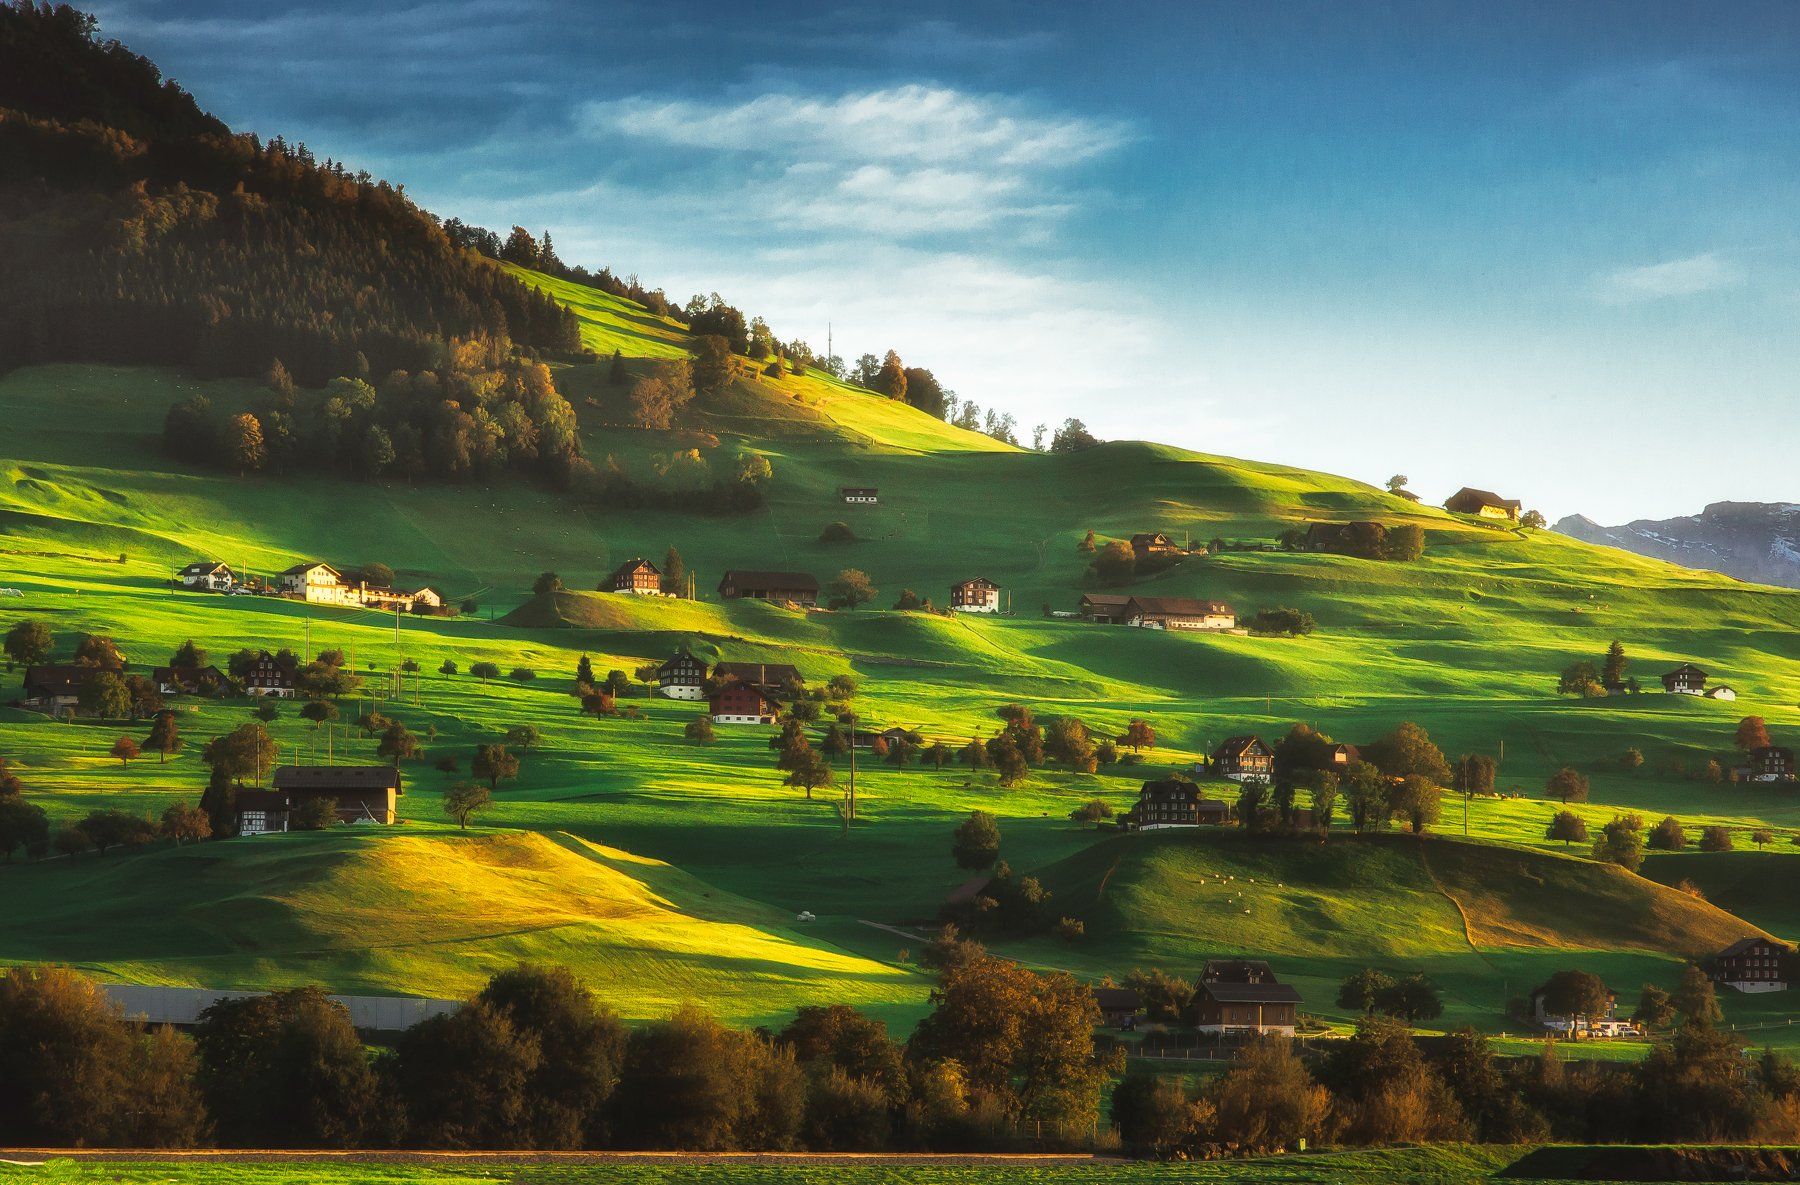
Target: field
{"x":1443,"y":1165}
{"x":666,"y":870}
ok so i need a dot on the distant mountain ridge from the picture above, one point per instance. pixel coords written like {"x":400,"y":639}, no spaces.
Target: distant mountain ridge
{"x":1757,"y":541}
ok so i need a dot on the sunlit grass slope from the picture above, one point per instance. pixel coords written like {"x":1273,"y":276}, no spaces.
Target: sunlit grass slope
{"x":433,"y":913}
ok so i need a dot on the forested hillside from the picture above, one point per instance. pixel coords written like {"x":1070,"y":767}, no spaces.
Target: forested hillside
{"x":137,"y":228}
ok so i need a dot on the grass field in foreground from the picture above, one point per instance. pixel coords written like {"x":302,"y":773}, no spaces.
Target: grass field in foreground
{"x":1466,"y":642}
{"x":1441,"y":1165}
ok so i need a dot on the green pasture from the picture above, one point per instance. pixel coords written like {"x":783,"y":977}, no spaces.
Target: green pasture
{"x":1467,"y":642}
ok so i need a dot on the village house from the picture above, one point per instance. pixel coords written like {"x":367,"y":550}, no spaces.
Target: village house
{"x":1119,"y":1007}
{"x":210,"y":575}
{"x":1723,"y":691}
{"x":770,"y":677}
{"x":1686,"y":679}
{"x":1242,"y":996}
{"x":1771,"y":763}
{"x":638,"y":576}
{"x":861,"y":495}
{"x":1176,"y":802}
{"x":1756,"y":964}
{"x":417,"y":601}
{"x":1244,"y":759}
{"x":1179,"y":613}
{"x":261,"y":812}
{"x":269,"y":677}
{"x":363,"y":793}
{"x":741,"y":703}
{"x":54,"y":687}
{"x":1604,"y":1025}
{"x":1105,"y":608}
{"x":1343,"y":755}
{"x":975,"y":596}
{"x":795,"y":587}
{"x":205,"y":680}
{"x":1149,"y":543}
{"x":682,"y":677}
{"x":320,"y":584}
{"x":1483,"y":504}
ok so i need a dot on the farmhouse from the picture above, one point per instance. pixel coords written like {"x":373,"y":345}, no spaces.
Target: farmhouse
{"x":268,"y":676}
{"x":1243,"y":996}
{"x":1244,"y":759}
{"x":54,"y":687}
{"x":188,"y":680}
{"x":975,"y":596}
{"x":1119,"y":1007}
{"x":1149,"y":543}
{"x":1106,"y":608}
{"x":861,"y":495}
{"x":681,"y":677}
{"x":1686,"y":679}
{"x":1723,"y":691}
{"x":1179,"y":613}
{"x":363,"y":793}
{"x":1483,"y":504}
{"x":261,"y":812}
{"x":1771,"y":763}
{"x":1343,"y":755}
{"x":636,"y":575}
{"x":741,"y":703}
{"x":417,"y":601}
{"x":1604,"y":1025}
{"x":318,"y":583}
{"x":207,"y":574}
{"x":795,"y":587}
{"x":1753,"y":965}
{"x":1176,"y":802}
{"x":771,"y":677}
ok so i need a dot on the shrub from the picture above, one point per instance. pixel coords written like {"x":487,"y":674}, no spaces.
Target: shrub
{"x":699,"y":730}
{"x":1715,"y":839}
{"x":1668,"y":836}
{"x":522,"y":675}
{"x":837,"y":533}
{"x":1283,"y":622}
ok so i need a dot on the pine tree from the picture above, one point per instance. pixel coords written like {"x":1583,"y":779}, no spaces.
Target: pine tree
{"x":674,"y":573}
{"x":1613,"y":673}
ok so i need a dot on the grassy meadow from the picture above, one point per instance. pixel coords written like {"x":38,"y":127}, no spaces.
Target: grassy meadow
{"x":669,"y":871}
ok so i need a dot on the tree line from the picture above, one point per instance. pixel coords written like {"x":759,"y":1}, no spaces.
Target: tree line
{"x":536,"y":1061}
{"x":138,"y":229}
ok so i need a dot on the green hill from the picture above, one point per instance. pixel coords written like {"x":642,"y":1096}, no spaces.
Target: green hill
{"x":1484,"y":920}
{"x":434,"y":913}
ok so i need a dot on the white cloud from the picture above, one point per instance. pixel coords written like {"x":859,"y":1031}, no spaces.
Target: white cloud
{"x":922,"y":125}
{"x":1675,"y":277}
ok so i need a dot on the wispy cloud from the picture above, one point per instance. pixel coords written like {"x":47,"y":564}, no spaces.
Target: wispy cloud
{"x":1691,"y":276}
{"x":914,"y":123}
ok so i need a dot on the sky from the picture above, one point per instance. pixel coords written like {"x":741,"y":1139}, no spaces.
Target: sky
{"x":1548,"y":249}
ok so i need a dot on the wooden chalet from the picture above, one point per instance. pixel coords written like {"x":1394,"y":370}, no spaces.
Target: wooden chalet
{"x":1343,"y":755}
{"x":1179,"y":613}
{"x":1105,"y":608}
{"x":798,"y":588}
{"x":363,"y":793}
{"x":741,"y":703}
{"x":975,"y":596}
{"x":769,"y":677}
{"x":211,"y":575}
{"x":636,"y":575}
{"x":1753,"y":965}
{"x":1244,"y":759}
{"x":1176,"y":802}
{"x":207,"y":680}
{"x":1119,"y":1007}
{"x":1771,"y":763}
{"x":1483,"y":504}
{"x":1149,"y":543}
{"x":682,"y":677}
{"x":1243,"y":996}
{"x":269,"y":676}
{"x":860,"y":495}
{"x":55,"y":687}
{"x":1686,"y":679}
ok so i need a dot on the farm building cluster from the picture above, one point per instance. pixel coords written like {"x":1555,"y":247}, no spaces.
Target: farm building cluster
{"x":310,"y":581}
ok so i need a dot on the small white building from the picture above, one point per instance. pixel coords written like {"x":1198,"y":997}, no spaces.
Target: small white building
{"x":211,"y":575}
{"x":861,"y":495}
{"x":975,"y":596}
{"x":1723,"y":691}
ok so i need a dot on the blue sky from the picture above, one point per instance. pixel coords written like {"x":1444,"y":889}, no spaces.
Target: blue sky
{"x":1548,"y":249}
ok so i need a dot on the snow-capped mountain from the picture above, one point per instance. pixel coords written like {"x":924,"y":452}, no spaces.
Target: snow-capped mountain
{"x":1757,"y":541}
